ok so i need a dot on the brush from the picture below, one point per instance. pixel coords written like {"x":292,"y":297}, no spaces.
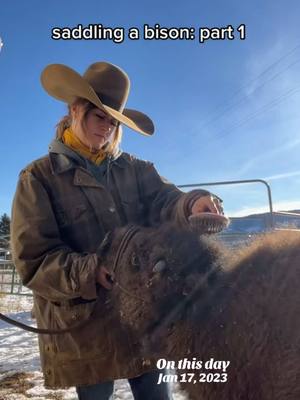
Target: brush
{"x":208,"y":223}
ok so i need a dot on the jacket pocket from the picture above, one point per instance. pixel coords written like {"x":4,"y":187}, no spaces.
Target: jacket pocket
{"x":92,"y":340}
{"x":71,"y":215}
{"x":66,"y":316}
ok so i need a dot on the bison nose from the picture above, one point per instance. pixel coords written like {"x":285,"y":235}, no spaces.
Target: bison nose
{"x":159,"y":266}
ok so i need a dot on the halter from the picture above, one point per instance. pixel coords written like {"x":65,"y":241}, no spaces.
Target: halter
{"x":128,"y":235}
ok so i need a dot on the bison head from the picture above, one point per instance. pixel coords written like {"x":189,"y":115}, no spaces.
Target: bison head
{"x":159,"y":275}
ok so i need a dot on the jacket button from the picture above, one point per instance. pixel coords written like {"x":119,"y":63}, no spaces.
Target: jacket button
{"x":48,"y":371}
{"x":74,"y":316}
{"x":146,"y":363}
{"x":111,"y":209}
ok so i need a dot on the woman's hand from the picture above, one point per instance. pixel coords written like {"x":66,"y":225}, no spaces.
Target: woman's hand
{"x":207,"y":216}
{"x":104,"y":277}
{"x":207,"y":203}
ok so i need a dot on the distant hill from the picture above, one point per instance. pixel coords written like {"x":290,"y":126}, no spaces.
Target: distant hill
{"x":261,"y":222}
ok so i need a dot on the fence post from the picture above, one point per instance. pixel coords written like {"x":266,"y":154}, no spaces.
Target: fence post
{"x":13,"y":280}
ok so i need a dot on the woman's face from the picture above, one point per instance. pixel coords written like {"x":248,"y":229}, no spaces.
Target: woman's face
{"x":96,"y":129}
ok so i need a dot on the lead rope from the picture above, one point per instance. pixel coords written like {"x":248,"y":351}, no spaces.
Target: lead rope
{"x":41,"y":330}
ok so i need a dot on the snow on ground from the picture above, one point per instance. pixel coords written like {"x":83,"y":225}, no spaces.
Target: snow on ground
{"x":20,"y":373}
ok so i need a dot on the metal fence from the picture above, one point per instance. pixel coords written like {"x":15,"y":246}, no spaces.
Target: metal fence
{"x":10,"y":282}
{"x":272,"y":222}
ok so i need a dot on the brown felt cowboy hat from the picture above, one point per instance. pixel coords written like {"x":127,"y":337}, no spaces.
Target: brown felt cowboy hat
{"x":103,"y":84}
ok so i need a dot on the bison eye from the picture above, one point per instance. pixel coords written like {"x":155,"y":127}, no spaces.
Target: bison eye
{"x":135,"y":260}
{"x":159,"y":266}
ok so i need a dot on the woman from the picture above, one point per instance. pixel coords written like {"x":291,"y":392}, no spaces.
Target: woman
{"x":64,"y":205}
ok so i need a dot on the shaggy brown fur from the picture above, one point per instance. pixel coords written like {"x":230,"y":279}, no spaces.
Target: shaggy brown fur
{"x":246,"y":310}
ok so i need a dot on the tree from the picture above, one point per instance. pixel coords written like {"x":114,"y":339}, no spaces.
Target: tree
{"x":4,"y":225}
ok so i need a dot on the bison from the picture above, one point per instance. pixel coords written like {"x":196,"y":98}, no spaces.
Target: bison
{"x":187,"y":297}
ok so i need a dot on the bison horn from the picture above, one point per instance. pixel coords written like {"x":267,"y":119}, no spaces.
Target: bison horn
{"x":159,"y":266}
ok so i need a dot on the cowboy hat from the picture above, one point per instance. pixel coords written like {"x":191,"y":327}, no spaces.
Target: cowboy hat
{"x":103,"y":84}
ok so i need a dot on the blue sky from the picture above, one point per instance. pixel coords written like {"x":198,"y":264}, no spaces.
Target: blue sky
{"x":223,"y":109}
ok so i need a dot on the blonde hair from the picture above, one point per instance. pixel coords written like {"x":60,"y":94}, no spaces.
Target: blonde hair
{"x":111,"y":148}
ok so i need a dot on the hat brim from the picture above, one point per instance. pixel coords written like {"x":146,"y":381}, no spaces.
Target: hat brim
{"x":65,"y":84}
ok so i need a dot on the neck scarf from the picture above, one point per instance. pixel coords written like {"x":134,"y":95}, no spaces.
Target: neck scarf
{"x":71,"y":140}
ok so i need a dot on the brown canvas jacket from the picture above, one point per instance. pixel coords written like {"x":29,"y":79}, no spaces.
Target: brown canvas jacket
{"x":61,"y":213}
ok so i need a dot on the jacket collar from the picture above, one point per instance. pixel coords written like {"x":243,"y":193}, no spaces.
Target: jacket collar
{"x":60,"y":163}
{"x":62,"y":158}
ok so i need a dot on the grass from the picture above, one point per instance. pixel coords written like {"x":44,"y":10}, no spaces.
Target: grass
{"x":19,"y":383}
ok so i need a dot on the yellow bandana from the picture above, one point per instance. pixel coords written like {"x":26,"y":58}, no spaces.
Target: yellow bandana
{"x":71,"y":140}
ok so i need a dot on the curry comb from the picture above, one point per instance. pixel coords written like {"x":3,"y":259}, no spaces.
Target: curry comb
{"x":207,"y":223}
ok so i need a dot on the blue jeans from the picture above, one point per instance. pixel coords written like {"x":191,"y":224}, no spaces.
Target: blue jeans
{"x":143,"y":387}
